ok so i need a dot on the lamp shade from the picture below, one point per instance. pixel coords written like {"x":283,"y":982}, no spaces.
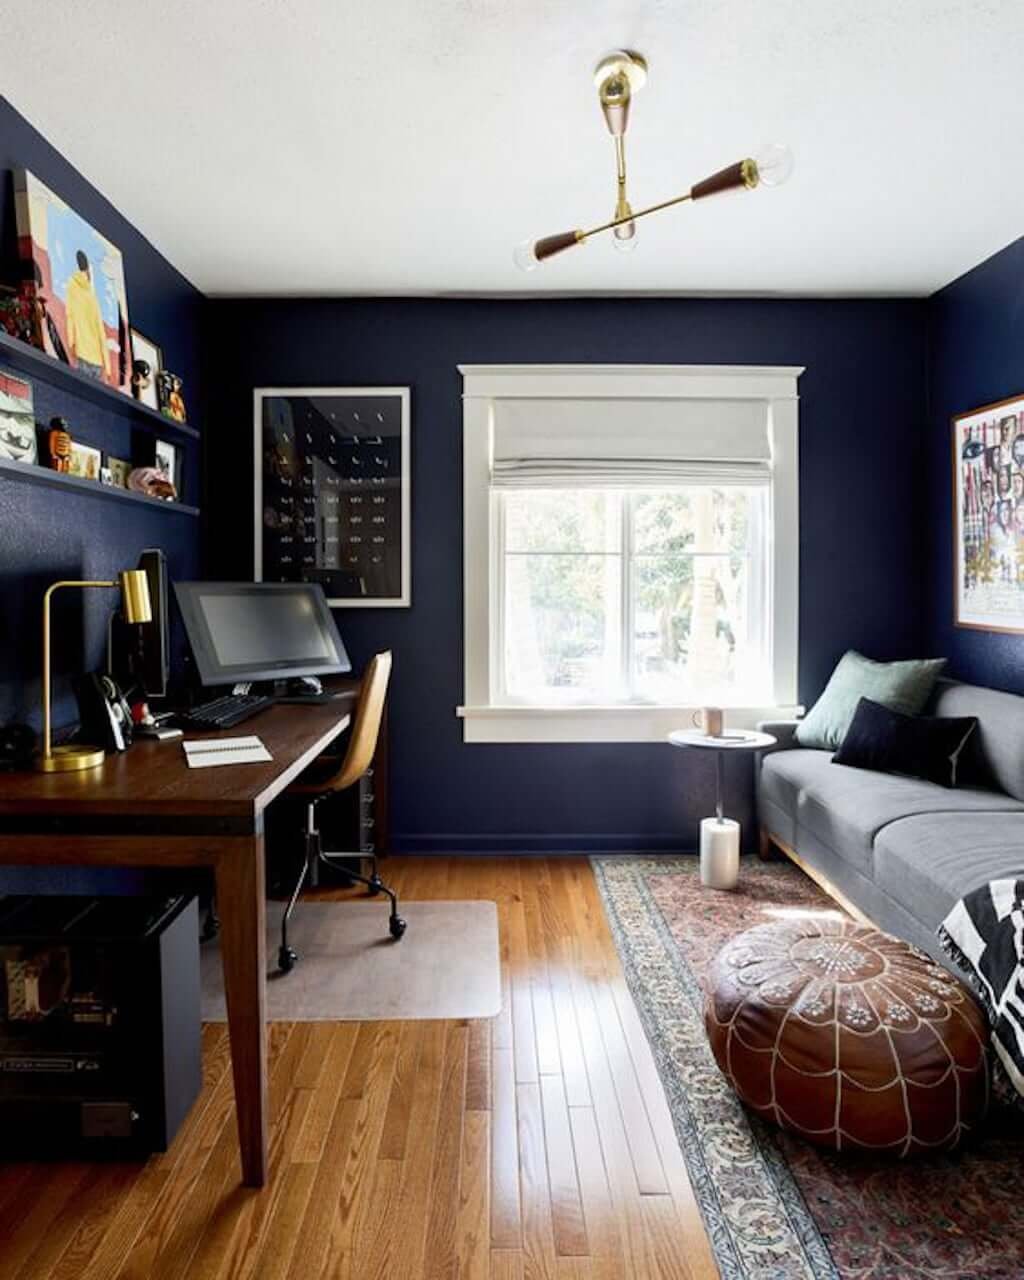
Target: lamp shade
{"x":135,"y":596}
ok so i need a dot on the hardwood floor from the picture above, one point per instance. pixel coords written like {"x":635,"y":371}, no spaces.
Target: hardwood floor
{"x":536,"y":1144}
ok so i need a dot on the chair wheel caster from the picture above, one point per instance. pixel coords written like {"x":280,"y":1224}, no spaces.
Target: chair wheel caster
{"x":397,"y":927}
{"x":374,"y":886}
{"x":286,"y":959}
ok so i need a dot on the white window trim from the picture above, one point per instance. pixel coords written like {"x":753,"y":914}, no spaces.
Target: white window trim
{"x":483,"y":385}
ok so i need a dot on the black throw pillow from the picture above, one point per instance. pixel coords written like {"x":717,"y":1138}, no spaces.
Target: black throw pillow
{"x":887,"y":741}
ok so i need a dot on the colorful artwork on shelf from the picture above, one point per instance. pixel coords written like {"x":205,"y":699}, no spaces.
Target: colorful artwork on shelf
{"x":17,"y":419}
{"x":333,"y":491}
{"x":85,"y":461}
{"x":170,"y":396}
{"x":120,"y":469}
{"x":988,"y":517}
{"x":147,"y":362}
{"x":79,"y":283}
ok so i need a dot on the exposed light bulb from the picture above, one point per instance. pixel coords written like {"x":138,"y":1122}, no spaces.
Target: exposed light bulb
{"x":525,"y":255}
{"x":624,"y":238}
{"x":774,"y":164}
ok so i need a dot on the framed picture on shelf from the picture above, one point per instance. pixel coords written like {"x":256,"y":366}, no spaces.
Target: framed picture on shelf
{"x":170,"y":396}
{"x":85,"y":461}
{"x":17,"y":419}
{"x":166,"y":458}
{"x":332,"y":491}
{"x":79,"y":285}
{"x":988,"y":517}
{"x":120,"y":469}
{"x":147,"y":363}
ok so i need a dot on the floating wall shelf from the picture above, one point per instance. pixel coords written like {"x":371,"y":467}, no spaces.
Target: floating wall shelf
{"x":34,"y":363}
{"x":29,"y":473}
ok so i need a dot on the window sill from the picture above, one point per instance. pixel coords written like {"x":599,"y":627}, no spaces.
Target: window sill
{"x":597,"y":724}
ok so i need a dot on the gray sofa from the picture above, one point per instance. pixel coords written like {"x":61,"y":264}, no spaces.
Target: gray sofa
{"x":899,"y":850}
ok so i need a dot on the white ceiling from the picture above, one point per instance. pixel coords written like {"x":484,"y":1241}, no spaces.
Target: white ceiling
{"x":405,"y":146}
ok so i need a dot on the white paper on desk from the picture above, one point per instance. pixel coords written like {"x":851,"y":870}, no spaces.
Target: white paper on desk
{"x":214,"y":751}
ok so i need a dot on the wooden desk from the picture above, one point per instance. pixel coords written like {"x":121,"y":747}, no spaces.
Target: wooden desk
{"x":146,"y":808}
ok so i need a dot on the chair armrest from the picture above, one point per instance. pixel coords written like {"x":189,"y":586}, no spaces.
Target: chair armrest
{"x":783,"y":730}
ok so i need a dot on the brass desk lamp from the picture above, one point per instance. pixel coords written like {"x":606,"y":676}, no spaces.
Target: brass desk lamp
{"x":135,"y":603}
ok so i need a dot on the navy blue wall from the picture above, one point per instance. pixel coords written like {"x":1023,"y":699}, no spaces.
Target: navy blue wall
{"x":46,"y":533}
{"x":976,"y":358}
{"x":861,"y":426}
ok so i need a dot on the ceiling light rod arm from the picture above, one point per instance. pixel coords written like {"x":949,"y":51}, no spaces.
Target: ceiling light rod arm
{"x":620,"y":164}
{"x":637,"y":213}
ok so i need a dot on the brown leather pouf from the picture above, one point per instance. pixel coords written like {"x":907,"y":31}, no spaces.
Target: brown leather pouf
{"x":848,"y":1037}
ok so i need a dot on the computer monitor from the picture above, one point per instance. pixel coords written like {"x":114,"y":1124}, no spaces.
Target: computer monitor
{"x":242,"y":631}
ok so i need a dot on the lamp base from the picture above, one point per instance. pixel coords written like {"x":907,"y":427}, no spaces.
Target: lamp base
{"x":67,"y":759}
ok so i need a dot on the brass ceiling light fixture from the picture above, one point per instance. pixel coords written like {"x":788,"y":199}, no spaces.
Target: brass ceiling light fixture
{"x":618,"y":76}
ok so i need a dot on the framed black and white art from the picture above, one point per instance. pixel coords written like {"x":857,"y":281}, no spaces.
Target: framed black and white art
{"x":332,"y":496}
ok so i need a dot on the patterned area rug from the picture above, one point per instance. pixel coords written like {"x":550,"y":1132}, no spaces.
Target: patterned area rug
{"x":774,"y":1206}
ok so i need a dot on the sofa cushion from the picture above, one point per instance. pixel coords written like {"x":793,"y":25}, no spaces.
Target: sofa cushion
{"x":885,"y":741}
{"x":846,"y":808}
{"x":903,"y":686}
{"x":1000,"y":728}
{"x":931,"y":860}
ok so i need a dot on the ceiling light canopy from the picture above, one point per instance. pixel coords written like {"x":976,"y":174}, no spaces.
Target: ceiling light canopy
{"x":618,"y":76}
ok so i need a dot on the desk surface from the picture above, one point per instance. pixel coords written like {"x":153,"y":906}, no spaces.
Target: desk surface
{"x":152,"y":778}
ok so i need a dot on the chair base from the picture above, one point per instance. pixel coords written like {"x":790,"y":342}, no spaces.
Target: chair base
{"x":287,"y":957}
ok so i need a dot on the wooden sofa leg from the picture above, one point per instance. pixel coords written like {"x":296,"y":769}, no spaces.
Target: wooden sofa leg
{"x":766,"y":849}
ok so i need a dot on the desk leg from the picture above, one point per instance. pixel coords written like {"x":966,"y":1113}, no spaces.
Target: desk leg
{"x":243,"y":944}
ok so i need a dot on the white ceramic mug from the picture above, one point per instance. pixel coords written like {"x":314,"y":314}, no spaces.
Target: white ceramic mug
{"x":710,"y":721}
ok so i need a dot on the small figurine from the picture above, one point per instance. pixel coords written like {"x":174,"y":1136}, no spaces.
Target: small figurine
{"x":59,"y":444}
{"x":169,"y":397}
{"x":153,"y":483}
{"x":142,"y":377}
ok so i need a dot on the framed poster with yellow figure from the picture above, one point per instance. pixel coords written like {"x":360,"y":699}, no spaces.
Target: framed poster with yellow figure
{"x":79,"y":285}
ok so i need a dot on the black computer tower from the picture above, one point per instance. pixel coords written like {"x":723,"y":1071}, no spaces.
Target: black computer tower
{"x":99,"y":1024}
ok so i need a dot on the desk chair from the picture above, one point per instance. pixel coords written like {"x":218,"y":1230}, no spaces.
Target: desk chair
{"x":326,"y":778}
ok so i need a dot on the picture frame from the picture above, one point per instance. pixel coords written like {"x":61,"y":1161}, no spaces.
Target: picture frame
{"x":164,"y":455}
{"x":77,"y":283}
{"x":167,"y":458}
{"x":120,"y":469}
{"x":85,"y":461}
{"x":988,"y":517}
{"x":170,"y":396}
{"x":332,"y":487}
{"x":18,"y":442}
{"x":145,"y":349}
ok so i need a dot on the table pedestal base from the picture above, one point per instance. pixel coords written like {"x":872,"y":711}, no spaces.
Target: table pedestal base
{"x":719,"y":853}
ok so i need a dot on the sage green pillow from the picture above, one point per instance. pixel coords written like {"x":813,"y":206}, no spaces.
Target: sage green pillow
{"x":900,"y":686}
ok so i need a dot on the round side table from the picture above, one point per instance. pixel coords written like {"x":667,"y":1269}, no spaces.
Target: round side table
{"x":720,"y":836}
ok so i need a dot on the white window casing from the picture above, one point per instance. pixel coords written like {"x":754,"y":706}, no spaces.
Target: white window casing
{"x":609,"y":426}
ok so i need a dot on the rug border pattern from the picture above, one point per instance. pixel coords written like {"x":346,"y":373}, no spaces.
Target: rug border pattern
{"x":619,"y":876}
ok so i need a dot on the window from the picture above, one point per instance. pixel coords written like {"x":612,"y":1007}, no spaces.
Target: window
{"x":631,"y":549}
{"x":635,"y":596}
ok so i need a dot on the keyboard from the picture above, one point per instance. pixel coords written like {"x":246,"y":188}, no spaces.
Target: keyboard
{"x":223,"y":713}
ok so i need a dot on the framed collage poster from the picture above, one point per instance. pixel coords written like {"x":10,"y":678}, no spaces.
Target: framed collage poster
{"x":332,"y":477}
{"x":988,"y":517}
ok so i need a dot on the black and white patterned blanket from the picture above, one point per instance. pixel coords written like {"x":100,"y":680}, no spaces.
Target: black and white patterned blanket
{"x":984,"y":934}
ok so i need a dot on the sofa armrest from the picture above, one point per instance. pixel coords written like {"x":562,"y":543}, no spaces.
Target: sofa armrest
{"x":783,"y":730}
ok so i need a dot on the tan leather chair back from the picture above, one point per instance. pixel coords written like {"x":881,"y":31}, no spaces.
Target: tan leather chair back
{"x":369,"y":713}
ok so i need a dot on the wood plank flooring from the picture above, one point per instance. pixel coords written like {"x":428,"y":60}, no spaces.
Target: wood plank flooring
{"x":535,"y":1145}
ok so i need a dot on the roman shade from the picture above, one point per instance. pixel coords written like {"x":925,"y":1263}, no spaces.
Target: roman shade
{"x":559,"y":443}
